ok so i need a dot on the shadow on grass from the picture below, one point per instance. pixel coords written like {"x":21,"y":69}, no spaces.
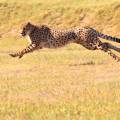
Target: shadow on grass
{"x":86,"y":63}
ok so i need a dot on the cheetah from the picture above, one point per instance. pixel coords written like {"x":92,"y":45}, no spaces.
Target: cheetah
{"x":45,"y":37}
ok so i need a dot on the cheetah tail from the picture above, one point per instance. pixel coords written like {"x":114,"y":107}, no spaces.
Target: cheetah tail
{"x":107,"y":37}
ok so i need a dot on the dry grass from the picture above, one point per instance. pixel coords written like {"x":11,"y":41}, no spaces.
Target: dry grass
{"x":69,"y":83}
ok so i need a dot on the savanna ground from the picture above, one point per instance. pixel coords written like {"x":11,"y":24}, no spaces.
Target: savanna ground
{"x":69,"y":83}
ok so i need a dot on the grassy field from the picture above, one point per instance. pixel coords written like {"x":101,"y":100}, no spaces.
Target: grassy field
{"x":69,"y":83}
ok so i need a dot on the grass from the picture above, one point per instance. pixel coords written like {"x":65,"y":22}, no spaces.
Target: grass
{"x":69,"y":83}
{"x":102,"y":14}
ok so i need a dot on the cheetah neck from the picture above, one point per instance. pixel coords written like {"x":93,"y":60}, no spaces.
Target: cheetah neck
{"x":29,"y":40}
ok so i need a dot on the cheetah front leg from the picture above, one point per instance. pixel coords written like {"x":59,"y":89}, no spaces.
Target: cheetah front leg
{"x":28,"y":49}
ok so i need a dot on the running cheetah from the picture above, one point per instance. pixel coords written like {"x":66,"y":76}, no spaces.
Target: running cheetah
{"x":45,"y":37}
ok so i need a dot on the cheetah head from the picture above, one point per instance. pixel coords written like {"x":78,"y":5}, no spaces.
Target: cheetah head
{"x":27,"y":29}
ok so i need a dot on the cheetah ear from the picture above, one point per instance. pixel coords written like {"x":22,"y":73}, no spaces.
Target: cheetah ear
{"x":45,"y":28}
{"x":29,"y":23}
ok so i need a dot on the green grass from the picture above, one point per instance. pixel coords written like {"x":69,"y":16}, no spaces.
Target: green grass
{"x":69,"y":83}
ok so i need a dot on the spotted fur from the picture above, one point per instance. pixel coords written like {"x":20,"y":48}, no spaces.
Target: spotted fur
{"x":45,"y":37}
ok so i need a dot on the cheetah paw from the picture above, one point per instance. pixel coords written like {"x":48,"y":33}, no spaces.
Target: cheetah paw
{"x":13,"y":55}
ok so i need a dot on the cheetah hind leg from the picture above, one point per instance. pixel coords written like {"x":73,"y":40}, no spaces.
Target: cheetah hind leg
{"x":106,"y":47}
